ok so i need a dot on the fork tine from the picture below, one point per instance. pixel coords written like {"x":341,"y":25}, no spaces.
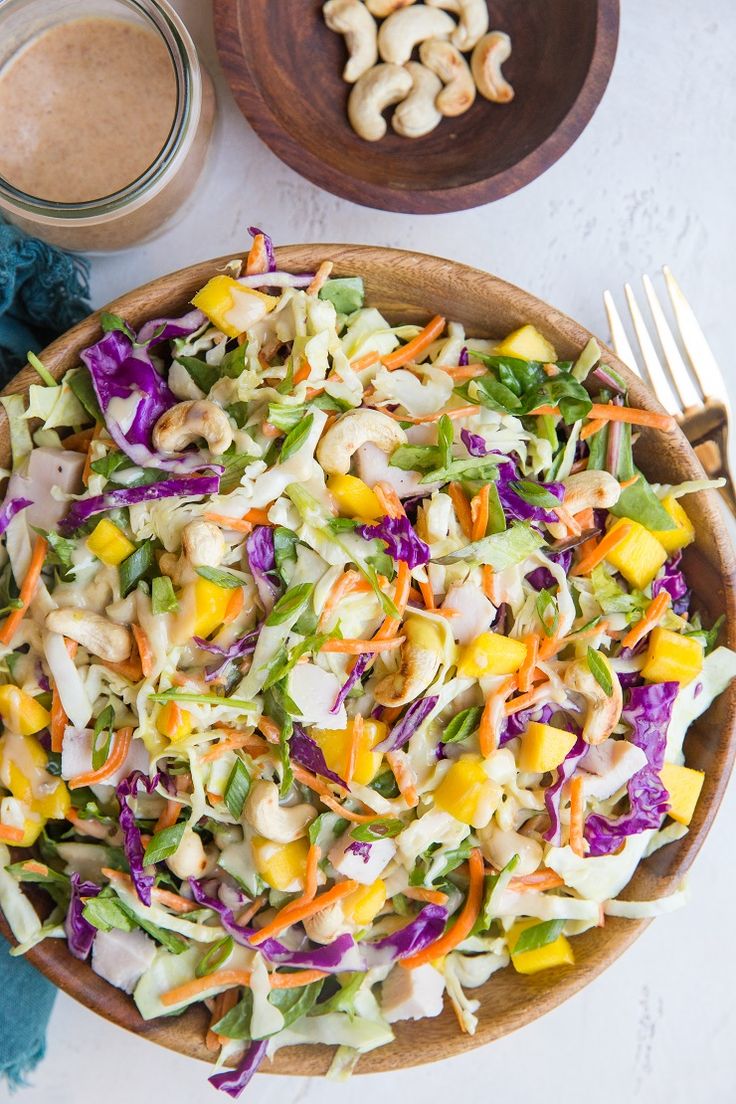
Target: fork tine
{"x":699,"y":352}
{"x":660,"y":383}
{"x":673,"y":359}
{"x":619,"y":340}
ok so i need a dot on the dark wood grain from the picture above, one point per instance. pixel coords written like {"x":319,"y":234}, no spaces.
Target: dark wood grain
{"x":414,"y":286}
{"x":284,"y":67}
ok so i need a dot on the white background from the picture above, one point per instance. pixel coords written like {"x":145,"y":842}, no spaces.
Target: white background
{"x":651,"y":181}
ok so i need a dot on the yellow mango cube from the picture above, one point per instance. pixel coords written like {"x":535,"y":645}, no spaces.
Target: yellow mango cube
{"x":543,"y":747}
{"x":232,"y":307}
{"x":22,"y":713}
{"x":16,"y":815}
{"x":467,"y":793}
{"x":33,"y":758}
{"x":109,"y":544}
{"x":281,"y":865}
{"x":354,"y":498}
{"x":527,"y":343}
{"x":491,"y":654}
{"x":672,"y":658}
{"x":335,"y":744}
{"x":363,"y":904}
{"x":211,"y":602}
{"x":674,"y":539}
{"x":55,"y":804}
{"x":683,"y":784}
{"x":174,"y":722}
{"x":639,"y":556}
{"x":557,"y":953}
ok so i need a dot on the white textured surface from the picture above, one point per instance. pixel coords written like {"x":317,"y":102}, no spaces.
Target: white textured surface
{"x":650,"y":181}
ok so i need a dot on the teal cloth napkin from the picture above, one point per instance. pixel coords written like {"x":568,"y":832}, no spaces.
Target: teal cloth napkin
{"x":43,"y":291}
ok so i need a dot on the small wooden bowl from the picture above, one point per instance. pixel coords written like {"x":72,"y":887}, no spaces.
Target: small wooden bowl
{"x":284,"y":67}
{"x":413,"y":287}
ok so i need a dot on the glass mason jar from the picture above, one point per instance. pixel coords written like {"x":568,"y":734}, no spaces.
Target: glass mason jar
{"x":140,"y":208}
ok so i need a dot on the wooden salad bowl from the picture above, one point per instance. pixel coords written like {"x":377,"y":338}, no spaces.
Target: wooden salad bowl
{"x":413,"y":287}
{"x":284,"y":67}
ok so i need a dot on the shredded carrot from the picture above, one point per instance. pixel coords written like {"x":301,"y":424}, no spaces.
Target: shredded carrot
{"x":59,"y":719}
{"x":78,"y":442}
{"x":238,"y":525}
{"x":231,"y":979}
{"x":10,"y":833}
{"x":144,"y":650}
{"x":311,"y":780}
{"x":479,"y":512}
{"x":462,"y":508}
{"x":234,"y":606}
{"x":612,"y":413}
{"x":302,"y":372}
{"x":539,"y":881}
{"x":605,"y":545}
{"x":356,"y":735}
{"x":427,"y":594}
{"x":358,"y":647}
{"x":426,"y":419}
{"x":252,"y":743}
{"x":366,"y":361}
{"x":312,"y":870}
{"x":91,"y":828}
{"x":629,"y":482}
{"x":270,"y":431}
{"x":389,"y":500}
{"x":577,"y":820}
{"x":566,"y":519}
{"x":401,"y":597}
{"x":591,"y":428}
{"x":419,"y":893}
{"x":654,"y":613}
{"x":492,"y":714}
{"x":130,"y":669}
{"x":292,"y":915}
{"x":532,"y":642}
{"x":321,"y":277}
{"x":524,"y":701}
{"x":347,"y":814}
{"x":258,"y":517}
{"x":585,"y":518}
{"x":343,"y":585}
{"x":416,"y":346}
{"x":490,"y":584}
{"x":33,"y":867}
{"x":406,"y":780}
{"x":464,"y":923}
{"x":464,"y":371}
{"x":116,"y":758}
{"x":256,"y":262}
{"x":253,"y":908}
{"x":552,"y":645}
{"x":173,"y":901}
{"x":222,"y":1004}
{"x":269,"y":729}
{"x":87,"y":469}
{"x":27,"y":590}
{"x":168,"y":817}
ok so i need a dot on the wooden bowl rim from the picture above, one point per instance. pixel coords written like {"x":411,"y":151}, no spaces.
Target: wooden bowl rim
{"x":185,"y":1034}
{"x":265,"y":122}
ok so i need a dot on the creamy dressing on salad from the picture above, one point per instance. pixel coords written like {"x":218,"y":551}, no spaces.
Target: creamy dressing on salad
{"x":85,"y":108}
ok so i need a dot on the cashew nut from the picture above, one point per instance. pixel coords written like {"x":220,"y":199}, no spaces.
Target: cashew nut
{"x":187,"y":421}
{"x":500,"y":846}
{"x":352,"y":19}
{"x":96,"y":633}
{"x":279,"y":823}
{"x":203,"y":544}
{"x":405,"y":29}
{"x":448,"y":63}
{"x":191,"y":859}
{"x":595,"y":490}
{"x":603,"y":712}
{"x":376,"y":90}
{"x":356,"y":428}
{"x":417,"y":114}
{"x":327,"y":924}
{"x":488,"y":57}
{"x":473,"y":20}
{"x":418,"y":664}
{"x":382,"y":8}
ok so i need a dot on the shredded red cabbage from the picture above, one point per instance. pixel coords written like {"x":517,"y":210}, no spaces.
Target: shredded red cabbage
{"x":425,"y":929}
{"x":9,"y":509}
{"x":239,"y":648}
{"x":80,"y":934}
{"x":262,"y":562}
{"x":306,"y":751}
{"x":542,"y":578}
{"x":359,"y":669}
{"x":268,"y":246}
{"x":463,"y":360}
{"x":517,"y":723}
{"x":235,"y":1081}
{"x":401,"y":541}
{"x":474,"y":443}
{"x":553,"y":793}
{"x":405,"y":728}
{"x":514,"y":506}
{"x":166,"y":329}
{"x":673,"y":581}
{"x":193,"y":486}
{"x":132,"y":843}
{"x":648,"y":710}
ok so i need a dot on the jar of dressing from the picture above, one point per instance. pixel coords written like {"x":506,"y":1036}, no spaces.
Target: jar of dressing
{"x":105,"y":119}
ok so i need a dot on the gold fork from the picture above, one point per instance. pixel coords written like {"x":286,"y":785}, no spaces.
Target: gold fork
{"x":699,"y":398}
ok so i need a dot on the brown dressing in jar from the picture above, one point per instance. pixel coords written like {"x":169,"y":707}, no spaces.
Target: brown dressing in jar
{"x":85,"y":108}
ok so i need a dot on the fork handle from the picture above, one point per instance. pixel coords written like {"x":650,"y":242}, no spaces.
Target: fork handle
{"x":710,"y":456}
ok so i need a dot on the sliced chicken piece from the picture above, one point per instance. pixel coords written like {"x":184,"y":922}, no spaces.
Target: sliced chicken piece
{"x":47,"y":468}
{"x":610,"y":765}
{"x":122,"y":957}
{"x":475,"y":614}
{"x":412,"y":994}
{"x":313,"y":691}
{"x":76,"y":756}
{"x":362,"y":861}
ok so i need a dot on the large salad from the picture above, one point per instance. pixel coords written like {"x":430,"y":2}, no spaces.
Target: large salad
{"x":343,"y":663}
